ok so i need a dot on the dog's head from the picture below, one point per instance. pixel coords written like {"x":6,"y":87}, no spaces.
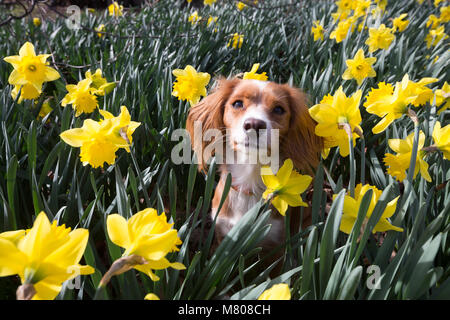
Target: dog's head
{"x":241,"y":109}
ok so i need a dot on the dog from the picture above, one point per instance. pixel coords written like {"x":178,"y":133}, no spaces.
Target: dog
{"x":238,"y":108}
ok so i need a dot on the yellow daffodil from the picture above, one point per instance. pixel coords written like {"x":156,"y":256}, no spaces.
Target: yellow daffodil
{"x":99,"y":141}
{"x":30,"y":68}
{"x":276,"y":292}
{"x":342,"y":29}
{"x":433,"y":22}
{"x":435,"y":35}
{"x":27,"y":91}
{"x":37,"y":22}
{"x":359,"y":67}
{"x":441,"y":137}
{"x":211,"y":20}
{"x":332,"y":113}
{"x":81,"y":96}
{"x":44,"y":256}
{"x":209,"y":2}
{"x":194,"y":18}
{"x":147,"y":235}
{"x":399,"y":163}
{"x":285,"y":187}
{"x":99,"y":83}
{"x":399,"y":24}
{"x":381,"y":4}
{"x":442,"y":97}
{"x":45,"y":110}
{"x":115,"y":9}
{"x":344,"y":5}
{"x":99,"y":29}
{"x":351,"y":208}
{"x":361,"y":7}
{"x":380,"y":38}
{"x":317,"y":30}
{"x":151,"y":296}
{"x":240,"y":5}
{"x":117,"y":128}
{"x":253,"y":75}
{"x":189,"y":84}
{"x":445,"y":14}
{"x":392,"y":104}
{"x":437,"y":2}
{"x":236,"y":41}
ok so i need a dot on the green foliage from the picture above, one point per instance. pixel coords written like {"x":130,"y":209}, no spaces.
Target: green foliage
{"x":139,"y":51}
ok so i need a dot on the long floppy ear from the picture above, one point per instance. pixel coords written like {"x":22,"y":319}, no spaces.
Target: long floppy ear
{"x":302,"y":145}
{"x":208,"y":114}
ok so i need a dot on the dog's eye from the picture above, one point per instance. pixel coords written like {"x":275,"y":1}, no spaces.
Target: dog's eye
{"x":238,"y":104}
{"x":278,"y":110}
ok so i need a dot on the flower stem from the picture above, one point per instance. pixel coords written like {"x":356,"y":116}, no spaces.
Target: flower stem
{"x":141,"y":179}
{"x":412,"y":162}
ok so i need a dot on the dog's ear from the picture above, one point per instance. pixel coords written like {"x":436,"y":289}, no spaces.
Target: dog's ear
{"x":208,"y":114}
{"x":301,"y":143}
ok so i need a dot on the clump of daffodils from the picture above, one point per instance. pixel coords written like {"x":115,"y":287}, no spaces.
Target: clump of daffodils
{"x":30,"y":72}
{"x":351,"y":208}
{"x":99,"y":141}
{"x":83,"y":95}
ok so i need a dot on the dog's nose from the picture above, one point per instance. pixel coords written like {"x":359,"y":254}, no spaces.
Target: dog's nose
{"x":256,"y":124}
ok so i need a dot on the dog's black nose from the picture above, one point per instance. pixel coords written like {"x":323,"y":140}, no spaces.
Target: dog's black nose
{"x":256,"y":124}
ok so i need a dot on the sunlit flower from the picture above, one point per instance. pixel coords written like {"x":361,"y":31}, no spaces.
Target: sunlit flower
{"x":148,"y":235}
{"x":437,"y":2}
{"x":399,"y":163}
{"x":189,"y":84}
{"x":285,"y":187}
{"x":399,"y":24}
{"x":359,"y":67}
{"x":317,"y":30}
{"x":361,"y":7}
{"x":442,"y":97}
{"x":27,"y":91}
{"x":392,"y":103}
{"x":37,"y":22}
{"x":276,"y":292}
{"x":351,"y":208}
{"x":441,"y":137}
{"x":211,"y":20}
{"x":115,"y":9}
{"x":99,"y":83}
{"x":332,"y":113}
{"x":151,"y":296}
{"x":194,"y":18}
{"x":435,"y":35}
{"x":44,"y":256}
{"x":99,"y":141}
{"x":253,"y":75}
{"x":81,"y":96}
{"x":209,"y":2}
{"x":445,"y":14}
{"x":30,"y":68}
{"x":240,"y":5}
{"x":100,"y":28}
{"x":380,"y":38}
{"x":342,"y":29}
{"x":433,"y":22}
{"x":236,"y":41}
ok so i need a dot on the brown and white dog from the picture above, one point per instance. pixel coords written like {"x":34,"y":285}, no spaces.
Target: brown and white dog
{"x":237,"y":108}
